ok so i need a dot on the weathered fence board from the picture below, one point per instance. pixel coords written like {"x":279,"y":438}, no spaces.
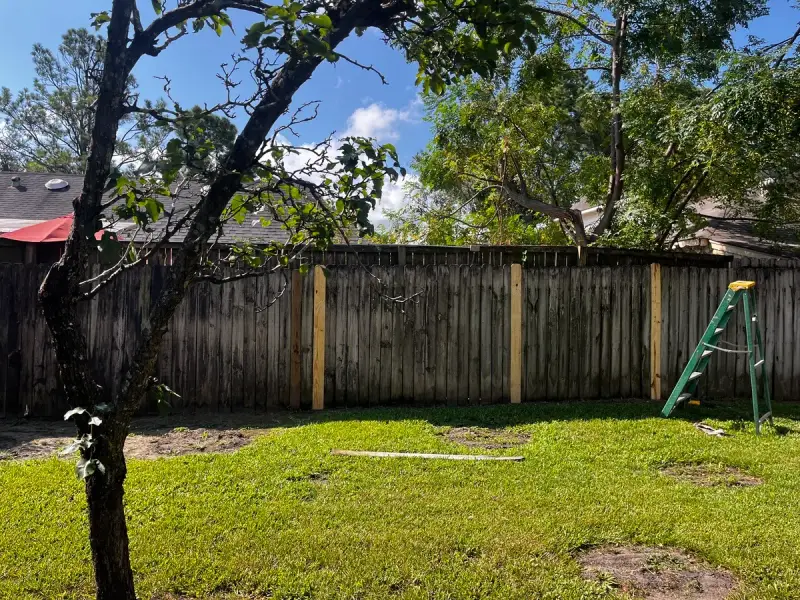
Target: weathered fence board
{"x":433,"y":334}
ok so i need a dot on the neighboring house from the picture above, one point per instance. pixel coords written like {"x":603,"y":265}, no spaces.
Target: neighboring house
{"x":31,"y":198}
{"x":737,"y":235}
{"x":724,"y":233}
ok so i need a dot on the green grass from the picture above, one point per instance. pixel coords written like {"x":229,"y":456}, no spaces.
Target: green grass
{"x":283,"y":518}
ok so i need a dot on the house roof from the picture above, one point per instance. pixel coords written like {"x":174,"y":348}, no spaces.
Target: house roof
{"x":723,"y":226}
{"x":31,"y":202}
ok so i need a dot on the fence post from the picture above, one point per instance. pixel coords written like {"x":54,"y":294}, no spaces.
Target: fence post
{"x":296,"y":332}
{"x":515,"y":377}
{"x":318,"y":365}
{"x":655,"y":331}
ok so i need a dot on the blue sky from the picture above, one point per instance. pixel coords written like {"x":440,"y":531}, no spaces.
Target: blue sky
{"x":352,"y":100}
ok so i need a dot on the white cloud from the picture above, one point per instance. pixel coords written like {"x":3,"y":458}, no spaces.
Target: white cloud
{"x":339,"y":82}
{"x":375,"y":121}
{"x":393,"y":197}
{"x":379,"y":122}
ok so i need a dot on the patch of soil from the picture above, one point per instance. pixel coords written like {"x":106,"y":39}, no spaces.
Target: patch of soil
{"x":708,"y":475}
{"x":149,"y":438}
{"x":183,"y":440}
{"x":656,"y":573}
{"x":17,"y":446}
{"x":483,"y":437}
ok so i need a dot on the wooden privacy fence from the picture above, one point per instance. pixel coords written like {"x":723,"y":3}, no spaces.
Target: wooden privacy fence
{"x":438,"y":334}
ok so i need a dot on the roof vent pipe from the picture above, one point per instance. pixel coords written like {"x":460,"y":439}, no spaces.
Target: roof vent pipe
{"x":16,"y":181}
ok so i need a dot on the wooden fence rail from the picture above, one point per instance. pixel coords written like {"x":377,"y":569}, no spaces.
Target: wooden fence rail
{"x":435,"y":334}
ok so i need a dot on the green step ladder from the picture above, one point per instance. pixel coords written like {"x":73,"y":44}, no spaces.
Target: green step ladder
{"x":687,"y":384}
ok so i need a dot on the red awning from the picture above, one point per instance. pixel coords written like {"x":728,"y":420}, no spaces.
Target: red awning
{"x":54,"y":230}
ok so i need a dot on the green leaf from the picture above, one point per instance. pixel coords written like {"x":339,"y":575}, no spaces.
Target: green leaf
{"x":157,"y":6}
{"x":323,"y":21}
{"x":98,"y":19}
{"x":75,"y":411}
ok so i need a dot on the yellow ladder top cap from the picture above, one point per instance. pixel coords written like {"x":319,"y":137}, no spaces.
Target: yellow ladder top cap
{"x":741,"y":285}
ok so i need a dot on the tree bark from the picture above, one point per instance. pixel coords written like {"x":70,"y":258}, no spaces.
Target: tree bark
{"x":108,"y":531}
{"x":617,"y":152}
{"x":567,"y":216}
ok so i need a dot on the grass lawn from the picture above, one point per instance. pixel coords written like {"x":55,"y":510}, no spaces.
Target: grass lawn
{"x":282,"y":518}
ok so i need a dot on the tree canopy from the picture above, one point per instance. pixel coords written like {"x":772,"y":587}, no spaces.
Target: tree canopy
{"x":641,"y":109}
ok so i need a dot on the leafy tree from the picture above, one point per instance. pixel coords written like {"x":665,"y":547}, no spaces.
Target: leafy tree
{"x":644,"y":60}
{"x":48,"y":127}
{"x":332,"y":191}
{"x":535,"y":136}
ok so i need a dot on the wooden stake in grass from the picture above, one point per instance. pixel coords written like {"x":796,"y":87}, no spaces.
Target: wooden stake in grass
{"x":421,"y":455}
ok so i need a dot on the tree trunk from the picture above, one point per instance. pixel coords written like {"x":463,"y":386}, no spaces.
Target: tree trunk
{"x":108,"y":533}
{"x":617,"y":153}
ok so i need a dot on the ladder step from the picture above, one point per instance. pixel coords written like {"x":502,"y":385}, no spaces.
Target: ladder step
{"x":695,"y":375}
{"x":759,"y":363}
{"x":706,"y":353}
{"x":765,"y":417}
{"x":683,"y":398}
{"x":731,"y":307}
{"x":719,"y":330}
{"x":754,"y":319}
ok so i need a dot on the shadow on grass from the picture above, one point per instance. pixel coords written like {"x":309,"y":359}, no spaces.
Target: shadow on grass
{"x":14,"y":433}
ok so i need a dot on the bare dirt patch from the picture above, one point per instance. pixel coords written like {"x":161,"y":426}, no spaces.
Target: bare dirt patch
{"x":150,"y":437}
{"x":709,"y":475}
{"x":483,"y":437}
{"x":656,"y":573}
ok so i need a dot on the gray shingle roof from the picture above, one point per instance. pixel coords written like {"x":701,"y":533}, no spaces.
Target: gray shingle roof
{"x":32,"y":201}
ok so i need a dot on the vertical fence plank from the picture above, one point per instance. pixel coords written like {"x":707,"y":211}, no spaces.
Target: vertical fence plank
{"x":655,"y":331}
{"x":565,"y":336}
{"x":295,"y":337}
{"x":502,"y":280}
{"x":398,"y":334}
{"x":318,"y":400}
{"x":617,"y":287}
{"x":454,"y":340}
{"x":430,"y":329}
{"x":584,"y":376}
{"x":442,"y":357}
{"x":607,"y":332}
{"x":577,"y":329}
{"x":635,"y":343}
{"x":386,"y":321}
{"x":474,"y":369}
{"x":463,"y":336}
{"x":409,"y":314}
{"x":260,"y":358}
{"x":552,"y":368}
{"x":624,"y":312}
{"x":488,"y":335}
{"x":419,"y":337}
{"x":515,"y":329}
